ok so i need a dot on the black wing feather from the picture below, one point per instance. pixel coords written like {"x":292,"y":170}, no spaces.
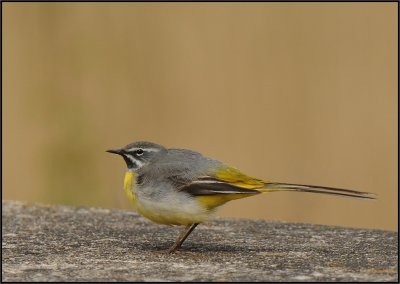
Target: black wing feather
{"x":199,"y":188}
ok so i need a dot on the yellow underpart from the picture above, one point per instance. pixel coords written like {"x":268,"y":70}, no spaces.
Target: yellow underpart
{"x":128,"y":181}
{"x":213,"y":201}
{"x":176,"y":218}
{"x":237,"y":178}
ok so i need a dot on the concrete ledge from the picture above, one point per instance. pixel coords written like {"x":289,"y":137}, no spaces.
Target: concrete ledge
{"x":60,"y":243}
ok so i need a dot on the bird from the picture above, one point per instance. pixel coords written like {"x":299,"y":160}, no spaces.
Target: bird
{"x":183,"y":187}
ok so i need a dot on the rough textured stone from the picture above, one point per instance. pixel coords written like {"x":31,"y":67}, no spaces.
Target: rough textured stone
{"x":60,"y":243}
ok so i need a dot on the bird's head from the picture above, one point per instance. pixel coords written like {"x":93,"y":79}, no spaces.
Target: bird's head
{"x":139,"y":154}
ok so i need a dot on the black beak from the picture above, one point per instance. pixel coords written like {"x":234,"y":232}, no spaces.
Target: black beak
{"x":118,"y":152}
{"x":122,"y":152}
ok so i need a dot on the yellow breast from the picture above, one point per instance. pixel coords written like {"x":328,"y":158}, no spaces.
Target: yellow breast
{"x":129,"y":186}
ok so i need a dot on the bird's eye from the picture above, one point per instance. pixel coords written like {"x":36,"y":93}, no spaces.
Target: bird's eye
{"x":139,"y":152}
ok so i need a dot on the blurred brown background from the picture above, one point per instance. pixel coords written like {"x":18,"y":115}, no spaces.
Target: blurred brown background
{"x":290,"y":92}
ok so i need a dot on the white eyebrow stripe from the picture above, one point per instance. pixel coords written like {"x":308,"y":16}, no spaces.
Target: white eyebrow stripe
{"x":144,"y":149}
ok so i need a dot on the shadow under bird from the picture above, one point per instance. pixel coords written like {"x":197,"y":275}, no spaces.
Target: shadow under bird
{"x":183,"y":187}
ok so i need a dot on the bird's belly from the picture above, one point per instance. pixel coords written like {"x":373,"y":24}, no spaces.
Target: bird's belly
{"x":171,"y":209}
{"x":165,"y":206}
{"x":170,"y":216}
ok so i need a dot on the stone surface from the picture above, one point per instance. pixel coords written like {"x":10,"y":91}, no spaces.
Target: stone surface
{"x":60,"y":243}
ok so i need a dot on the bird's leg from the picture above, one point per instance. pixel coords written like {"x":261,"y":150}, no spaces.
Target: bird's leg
{"x":182,"y":237}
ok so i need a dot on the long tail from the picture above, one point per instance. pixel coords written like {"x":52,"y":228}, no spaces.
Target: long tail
{"x":276,"y":186}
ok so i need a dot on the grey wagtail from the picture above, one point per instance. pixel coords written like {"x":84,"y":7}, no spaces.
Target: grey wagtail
{"x":183,"y":187}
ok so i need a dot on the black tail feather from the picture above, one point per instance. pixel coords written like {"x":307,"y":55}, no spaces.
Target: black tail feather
{"x":276,"y":186}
